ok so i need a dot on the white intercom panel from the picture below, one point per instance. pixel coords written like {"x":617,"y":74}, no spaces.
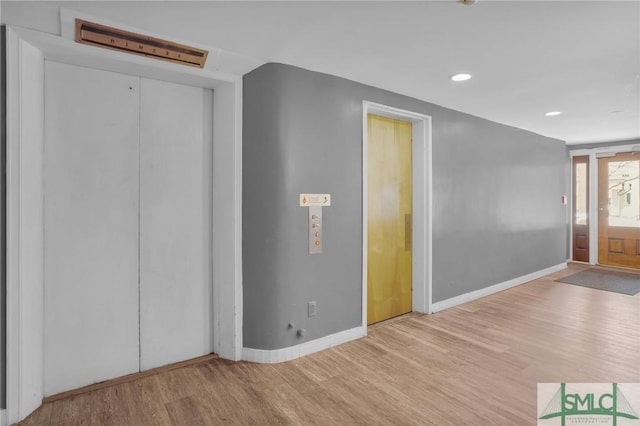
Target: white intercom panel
{"x":315,"y":230}
{"x":315,"y":202}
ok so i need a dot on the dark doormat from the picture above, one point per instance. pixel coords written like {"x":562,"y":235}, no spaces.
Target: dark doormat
{"x":618,"y":282}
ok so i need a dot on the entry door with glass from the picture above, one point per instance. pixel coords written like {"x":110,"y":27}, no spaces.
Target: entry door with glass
{"x":619,"y":210}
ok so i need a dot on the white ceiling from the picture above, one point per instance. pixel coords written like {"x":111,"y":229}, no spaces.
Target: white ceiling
{"x":526,"y":57}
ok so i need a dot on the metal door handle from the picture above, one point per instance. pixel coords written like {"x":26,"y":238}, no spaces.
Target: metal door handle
{"x":407,"y":231}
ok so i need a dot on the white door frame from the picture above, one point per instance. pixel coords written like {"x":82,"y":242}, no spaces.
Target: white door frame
{"x":227,"y":196}
{"x":421,"y":180}
{"x":594,"y":154}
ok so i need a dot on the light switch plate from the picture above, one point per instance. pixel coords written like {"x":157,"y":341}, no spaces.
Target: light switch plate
{"x":313,"y":309}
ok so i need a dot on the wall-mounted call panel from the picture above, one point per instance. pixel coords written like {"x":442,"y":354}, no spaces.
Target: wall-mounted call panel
{"x":315,"y":230}
{"x":315,"y":202}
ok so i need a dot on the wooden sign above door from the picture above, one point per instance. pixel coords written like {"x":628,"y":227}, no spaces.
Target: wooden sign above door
{"x":138,"y":44}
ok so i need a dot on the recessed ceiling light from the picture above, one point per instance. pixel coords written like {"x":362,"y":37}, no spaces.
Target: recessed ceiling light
{"x":552,"y":113}
{"x":461,"y":77}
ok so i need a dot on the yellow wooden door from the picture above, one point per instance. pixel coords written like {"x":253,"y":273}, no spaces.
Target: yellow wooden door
{"x":619,"y":210}
{"x":389,"y":218}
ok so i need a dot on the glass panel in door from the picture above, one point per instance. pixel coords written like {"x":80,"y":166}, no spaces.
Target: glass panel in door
{"x":619,"y":210}
{"x":581,"y":209}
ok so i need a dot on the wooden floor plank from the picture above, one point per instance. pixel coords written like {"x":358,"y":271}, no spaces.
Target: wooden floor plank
{"x":185,"y":411}
{"x":477,"y":363}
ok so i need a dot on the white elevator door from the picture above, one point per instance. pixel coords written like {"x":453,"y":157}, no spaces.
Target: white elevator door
{"x":91,"y":226}
{"x":127,"y":224}
{"x":175,"y":223}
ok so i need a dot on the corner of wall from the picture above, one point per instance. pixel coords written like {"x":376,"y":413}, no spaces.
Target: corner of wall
{"x":306,"y":348}
{"x":301,"y":134}
{"x":3,"y":218}
{"x":3,"y":221}
{"x":226,"y":222}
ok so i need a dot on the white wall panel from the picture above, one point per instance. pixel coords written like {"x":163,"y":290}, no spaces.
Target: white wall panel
{"x":175,"y":223}
{"x":91,"y":226}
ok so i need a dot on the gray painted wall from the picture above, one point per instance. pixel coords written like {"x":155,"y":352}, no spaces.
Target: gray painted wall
{"x":496,"y":196}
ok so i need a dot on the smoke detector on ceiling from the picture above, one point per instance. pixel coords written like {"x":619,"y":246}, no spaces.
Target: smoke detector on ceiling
{"x":468,"y":2}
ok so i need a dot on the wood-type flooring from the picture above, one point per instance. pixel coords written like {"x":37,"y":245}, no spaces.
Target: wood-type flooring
{"x":475,"y":364}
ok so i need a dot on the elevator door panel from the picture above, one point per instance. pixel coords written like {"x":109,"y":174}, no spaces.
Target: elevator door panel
{"x":91,"y":226}
{"x":389,"y":222}
{"x":175,"y":218}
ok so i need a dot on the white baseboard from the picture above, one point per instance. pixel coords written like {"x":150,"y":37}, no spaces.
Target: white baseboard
{"x":293,"y":352}
{"x":468,"y":297}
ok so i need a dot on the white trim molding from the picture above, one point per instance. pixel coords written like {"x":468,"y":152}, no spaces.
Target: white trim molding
{"x":25,"y":227}
{"x":286,"y":354}
{"x":422,"y":253}
{"x":477,"y":294}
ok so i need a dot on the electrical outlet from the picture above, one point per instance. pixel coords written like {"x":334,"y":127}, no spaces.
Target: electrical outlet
{"x":313,"y":309}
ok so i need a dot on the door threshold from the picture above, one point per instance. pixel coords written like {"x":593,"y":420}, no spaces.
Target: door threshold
{"x":128,"y":378}
{"x":392,"y":320}
{"x":628,"y":269}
